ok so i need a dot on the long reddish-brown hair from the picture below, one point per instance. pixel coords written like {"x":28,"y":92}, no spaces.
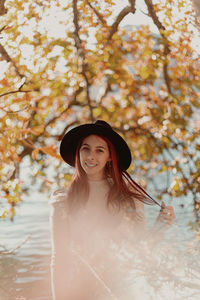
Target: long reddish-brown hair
{"x":123,"y":189}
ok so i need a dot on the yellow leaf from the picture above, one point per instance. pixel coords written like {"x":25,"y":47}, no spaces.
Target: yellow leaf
{"x":165,"y":140}
{"x":4,"y":214}
{"x":97,"y":112}
{"x":144,"y":73}
{"x":68,"y":176}
{"x":175,"y":186}
{"x":163,"y":169}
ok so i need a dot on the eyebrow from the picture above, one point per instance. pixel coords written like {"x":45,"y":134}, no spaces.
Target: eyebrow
{"x":85,"y":144}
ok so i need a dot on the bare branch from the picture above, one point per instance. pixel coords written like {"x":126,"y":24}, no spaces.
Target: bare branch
{"x":196,"y":4}
{"x":78,"y":44}
{"x":27,"y":150}
{"x":7,"y":57}
{"x":125,"y":11}
{"x":158,"y":24}
{"x":144,"y":13}
{"x":107,"y":90}
{"x":60,"y":136}
{"x":76,"y":31}
{"x":3,"y":10}
{"x":166,"y":77}
{"x":4,"y":54}
{"x":29,"y":144}
{"x":16,"y":91}
{"x":87,"y":92}
{"x":2,"y":28}
{"x":17,"y":247}
{"x":14,"y":112}
{"x":141,"y":131}
{"x":166,"y":51}
{"x":72,"y":103}
{"x":132,"y":4}
{"x":153,"y":15}
{"x":99,"y":16}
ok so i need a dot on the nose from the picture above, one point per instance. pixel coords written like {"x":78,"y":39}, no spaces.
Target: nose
{"x":91,"y":156}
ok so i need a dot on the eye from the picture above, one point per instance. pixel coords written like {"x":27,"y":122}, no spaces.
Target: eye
{"x":85,"y":148}
{"x":100,"y":150}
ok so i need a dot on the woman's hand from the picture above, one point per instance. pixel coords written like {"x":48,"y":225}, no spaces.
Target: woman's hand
{"x":166,"y":215}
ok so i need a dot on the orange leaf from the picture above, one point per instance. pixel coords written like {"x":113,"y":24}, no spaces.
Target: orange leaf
{"x":50,"y":151}
{"x":37,"y":130}
{"x":35,"y":153}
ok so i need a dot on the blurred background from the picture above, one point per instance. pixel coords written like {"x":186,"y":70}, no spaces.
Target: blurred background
{"x":134,"y":64}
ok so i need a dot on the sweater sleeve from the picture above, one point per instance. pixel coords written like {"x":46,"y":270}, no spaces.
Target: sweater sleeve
{"x":60,"y":244}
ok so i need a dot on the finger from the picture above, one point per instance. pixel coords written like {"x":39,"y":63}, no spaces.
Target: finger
{"x":169,"y":210}
{"x":162,"y":206}
{"x":168,"y":216}
{"x":169,"y":220}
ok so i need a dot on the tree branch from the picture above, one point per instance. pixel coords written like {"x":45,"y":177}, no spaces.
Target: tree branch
{"x":14,"y":112}
{"x":6,"y":57}
{"x":29,"y":146}
{"x":159,"y":144}
{"x":12,"y":251}
{"x":158,"y":24}
{"x":2,"y":27}
{"x":166,"y":77}
{"x":60,"y":136}
{"x":153,"y":15}
{"x":3,"y":10}
{"x":80,"y":51}
{"x":107,"y":90}
{"x":99,"y":16}
{"x":196,"y":5}
{"x":76,"y":25}
{"x":125,"y":11}
{"x":4,"y":54}
{"x":16,"y":91}
{"x":166,"y":51}
{"x":72,"y":103}
{"x":132,"y":4}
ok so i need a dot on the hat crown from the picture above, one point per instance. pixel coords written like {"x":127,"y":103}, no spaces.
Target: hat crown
{"x":71,"y":140}
{"x":103,"y":123}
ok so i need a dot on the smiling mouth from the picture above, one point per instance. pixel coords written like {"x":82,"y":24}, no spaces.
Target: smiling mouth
{"x":90,"y":165}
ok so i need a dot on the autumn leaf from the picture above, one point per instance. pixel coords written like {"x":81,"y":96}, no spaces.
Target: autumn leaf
{"x":37,"y":130}
{"x":35,"y":153}
{"x":144,"y":72}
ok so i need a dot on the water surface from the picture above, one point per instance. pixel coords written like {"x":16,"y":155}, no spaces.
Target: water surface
{"x":25,"y":274}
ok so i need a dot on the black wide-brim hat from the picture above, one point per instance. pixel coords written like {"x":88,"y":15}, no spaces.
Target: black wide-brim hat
{"x":72,"y":138}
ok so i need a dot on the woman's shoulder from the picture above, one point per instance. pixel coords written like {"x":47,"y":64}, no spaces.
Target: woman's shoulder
{"x":59,"y":196}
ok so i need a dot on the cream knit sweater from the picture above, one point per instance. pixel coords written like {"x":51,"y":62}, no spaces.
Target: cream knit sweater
{"x":84,"y":241}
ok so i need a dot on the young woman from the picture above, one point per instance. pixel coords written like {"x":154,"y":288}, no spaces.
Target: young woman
{"x":102,"y":209}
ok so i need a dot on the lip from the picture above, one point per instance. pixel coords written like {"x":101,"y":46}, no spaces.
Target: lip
{"x":90,"y":165}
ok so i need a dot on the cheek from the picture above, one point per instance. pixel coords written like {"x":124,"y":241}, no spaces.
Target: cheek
{"x":104,"y":159}
{"x":81,"y":158}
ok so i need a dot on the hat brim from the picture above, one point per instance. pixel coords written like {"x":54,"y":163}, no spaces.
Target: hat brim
{"x":71,"y":140}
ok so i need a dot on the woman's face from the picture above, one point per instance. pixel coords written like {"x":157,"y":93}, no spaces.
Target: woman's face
{"x":94,"y":154}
